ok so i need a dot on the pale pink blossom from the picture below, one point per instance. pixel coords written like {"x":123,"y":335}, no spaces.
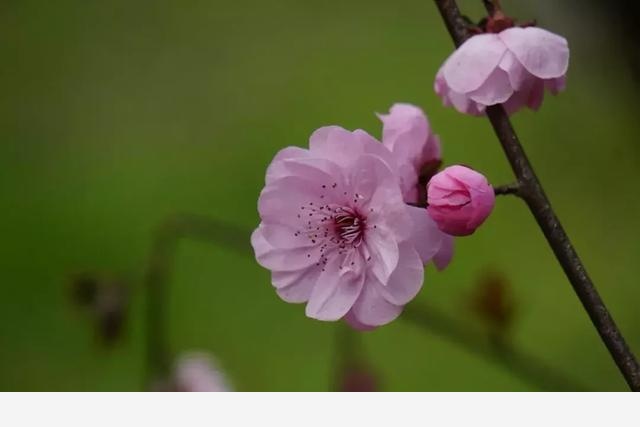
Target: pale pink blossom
{"x":512,"y":67}
{"x":335,"y":231}
{"x":460,"y":199}
{"x":198,"y":372}
{"x":406,"y":132}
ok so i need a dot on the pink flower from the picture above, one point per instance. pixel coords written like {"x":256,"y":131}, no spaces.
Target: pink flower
{"x":416,"y":150}
{"x":459,"y":199}
{"x":512,"y":68}
{"x":335,"y":231}
{"x":197,"y":372}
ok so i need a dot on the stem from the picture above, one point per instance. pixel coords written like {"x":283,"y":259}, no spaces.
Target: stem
{"x":160,"y":264}
{"x":503,"y":190}
{"x":533,"y":194}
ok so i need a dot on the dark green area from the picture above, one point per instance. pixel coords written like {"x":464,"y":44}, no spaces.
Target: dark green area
{"x":116,"y":114}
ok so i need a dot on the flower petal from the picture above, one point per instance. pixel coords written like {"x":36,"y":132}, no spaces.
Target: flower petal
{"x":406,"y":280}
{"x":279,"y":259}
{"x":352,"y":321}
{"x":473,"y":62}
{"x":542,"y":53}
{"x":295,"y":286}
{"x":277,"y":169}
{"x":335,"y":291}
{"x":445,"y":254}
{"x":495,"y":90}
{"x":372,"y":308}
{"x":426,"y":236}
{"x":383,"y":249}
{"x":518,"y":75}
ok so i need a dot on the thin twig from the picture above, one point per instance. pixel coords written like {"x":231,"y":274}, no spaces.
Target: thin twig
{"x":521,"y":364}
{"x":158,"y":273}
{"x":533,"y":194}
{"x":503,"y":190}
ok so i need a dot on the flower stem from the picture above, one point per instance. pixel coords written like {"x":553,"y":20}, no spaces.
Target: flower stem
{"x":506,"y":189}
{"x":158,"y":273}
{"x":533,"y":194}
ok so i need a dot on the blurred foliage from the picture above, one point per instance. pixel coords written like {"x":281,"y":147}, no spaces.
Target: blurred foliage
{"x":117,"y":114}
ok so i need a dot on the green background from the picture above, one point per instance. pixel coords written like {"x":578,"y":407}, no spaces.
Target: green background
{"x":115,"y":115}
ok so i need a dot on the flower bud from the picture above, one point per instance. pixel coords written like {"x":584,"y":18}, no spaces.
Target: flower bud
{"x":459,"y":200}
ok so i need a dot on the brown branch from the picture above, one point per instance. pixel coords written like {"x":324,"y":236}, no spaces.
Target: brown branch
{"x":533,"y":194}
{"x":506,"y":189}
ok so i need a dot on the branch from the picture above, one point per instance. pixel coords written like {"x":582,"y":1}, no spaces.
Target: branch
{"x":163,"y":250}
{"x":533,"y":194}
{"x":503,"y":190}
{"x":226,"y":235}
{"x":521,"y":364}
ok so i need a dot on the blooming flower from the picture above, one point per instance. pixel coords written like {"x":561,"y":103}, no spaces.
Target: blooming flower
{"x":416,"y":150}
{"x":460,"y":199}
{"x":512,"y":67}
{"x":335,"y":231}
{"x":197,"y":372}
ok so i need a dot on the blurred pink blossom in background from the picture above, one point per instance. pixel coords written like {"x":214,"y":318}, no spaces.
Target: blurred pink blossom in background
{"x":198,"y":372}
{"x":512,"y":68}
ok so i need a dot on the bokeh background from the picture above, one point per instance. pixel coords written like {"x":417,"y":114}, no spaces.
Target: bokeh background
{"x":116,"y":115}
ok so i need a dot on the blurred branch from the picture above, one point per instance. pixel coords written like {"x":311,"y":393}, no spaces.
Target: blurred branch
{"x":348,"y":346}
{"x":533,"y":194}
{"x":159,"y":268}
{"x":352,"y":371}
{"x":521,"y":364}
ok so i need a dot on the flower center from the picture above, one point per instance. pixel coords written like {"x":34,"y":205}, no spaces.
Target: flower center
{"x":349,"y":225}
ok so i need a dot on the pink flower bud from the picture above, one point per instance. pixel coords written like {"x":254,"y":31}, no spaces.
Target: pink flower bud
{"x":459,"y":200}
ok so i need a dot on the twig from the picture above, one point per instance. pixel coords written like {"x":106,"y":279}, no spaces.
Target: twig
{"x":533,"y":194}
{"x":521,"y":364}
{"x":503,"y":190}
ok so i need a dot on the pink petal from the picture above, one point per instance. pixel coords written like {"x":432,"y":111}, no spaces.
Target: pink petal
{"x":385,"y":207}
{"x":405,"y":124}
{"x":518,"y":75}
{"x":536,"y":95}
{"x":295,"y":286}
{"x":334,"y":293}
{"x":445,"y":254}
{"x":495,"y":90}
{"x":542,"y":53}
{"x":344,"y":147}
{"x":277,"y":169}
{"x":406,"y":280}
{"x":279,"y":259}
{"x":556,"y":86}
{"x":285,"y":237}
{"x":356,"y":324}
{"x":459,"y":101}
{"x":426,"y":236}
{"x":371,"y":308}
{"x":473,"y":62}
{"x":383,"y":249}
{"x":283,"y":200}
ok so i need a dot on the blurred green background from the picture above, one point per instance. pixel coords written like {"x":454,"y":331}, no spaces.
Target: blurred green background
{"x":114,"y":115}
